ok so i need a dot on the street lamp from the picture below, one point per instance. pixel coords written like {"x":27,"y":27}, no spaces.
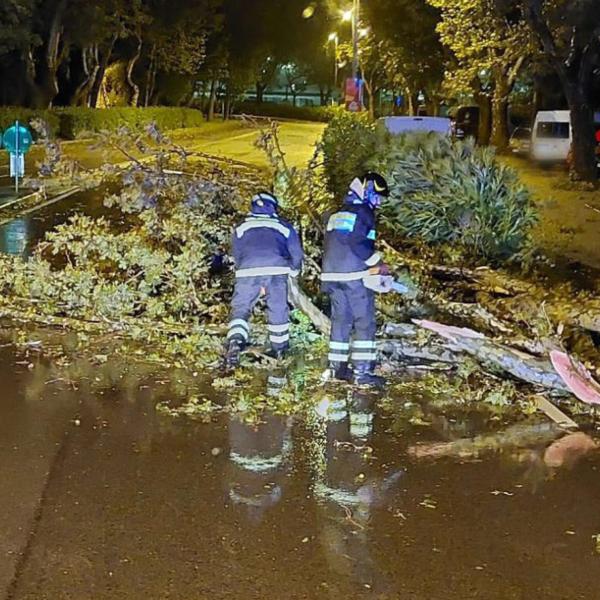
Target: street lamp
{"x":347,"y":15}
{"x":333,"y":37}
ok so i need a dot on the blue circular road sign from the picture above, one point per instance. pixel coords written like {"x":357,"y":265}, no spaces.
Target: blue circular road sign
{"x":17,"y":138}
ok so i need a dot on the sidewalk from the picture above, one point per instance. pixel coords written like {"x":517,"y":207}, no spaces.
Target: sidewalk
{"x":570,"y":220}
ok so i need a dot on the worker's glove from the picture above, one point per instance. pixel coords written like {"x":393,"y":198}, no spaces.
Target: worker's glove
{"x":382,"y":284}
{"x":384,"y":270}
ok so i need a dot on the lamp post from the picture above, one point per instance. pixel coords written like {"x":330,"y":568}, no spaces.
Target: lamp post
{"x":355,"y":33}
{"x":333,"y":37}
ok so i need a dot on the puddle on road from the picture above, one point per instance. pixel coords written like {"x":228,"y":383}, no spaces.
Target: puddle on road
{"x":336,"y":505}
{"x":21,"y":235}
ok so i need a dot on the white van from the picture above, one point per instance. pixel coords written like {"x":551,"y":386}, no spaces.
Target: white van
{"x":551,"y":136}
{"x":397,"y":125}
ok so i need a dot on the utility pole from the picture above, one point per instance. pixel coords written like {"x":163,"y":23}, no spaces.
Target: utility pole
{"x":355,"y":25}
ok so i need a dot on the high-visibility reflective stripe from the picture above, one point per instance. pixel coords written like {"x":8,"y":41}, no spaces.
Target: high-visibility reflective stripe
{"x":369,"y":356}
{"x":373,"y":260}
{"x":262,"y":271}
{"x":239,"y":322}
{"x":336,"y":357}
{"x":261,"y":223}
{"x":279,"y":339}
{"x":238,"y":331}
{"x":364,"y":344}
{"x":341,"y":221}
{"x":280,"y":381}
{"x":279,"y":328}
{"x":353,"y":276}
{"x":372,"y":235}
{"x":337,"y":415}
{"x":360,"y":430}
{"x":258,"y":464}
{"x":339,"y":345}
{"x":364,"y":418}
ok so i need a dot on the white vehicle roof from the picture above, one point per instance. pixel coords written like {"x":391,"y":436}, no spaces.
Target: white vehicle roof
{"x":396,"y":125}
{"x":554,"y":116}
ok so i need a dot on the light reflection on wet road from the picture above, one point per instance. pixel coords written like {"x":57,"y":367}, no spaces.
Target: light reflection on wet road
{"x":106,"y":499}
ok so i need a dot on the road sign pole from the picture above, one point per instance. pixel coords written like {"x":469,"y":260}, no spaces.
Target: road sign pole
{"x":17,"y":159}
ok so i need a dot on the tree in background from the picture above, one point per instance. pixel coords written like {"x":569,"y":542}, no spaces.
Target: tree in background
{"x":490,"y":41}
{"x":569,"y":33}
{"x":412,"y":55}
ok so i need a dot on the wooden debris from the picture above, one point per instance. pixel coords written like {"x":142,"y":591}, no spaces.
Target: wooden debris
{"x":554,"y":413}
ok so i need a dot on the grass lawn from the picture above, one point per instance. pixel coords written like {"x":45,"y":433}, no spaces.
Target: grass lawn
{"x":230,"y":139}
{"x":570,"y":220}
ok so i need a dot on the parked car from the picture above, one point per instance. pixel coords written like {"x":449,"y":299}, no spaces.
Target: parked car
{"x":397,"y":125}
{"x":551,"y":137}
{"x":520,"y":141}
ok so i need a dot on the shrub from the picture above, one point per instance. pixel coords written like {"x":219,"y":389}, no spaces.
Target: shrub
{"x":286,"y":111}
{"x":442,"y":191}
{"x":77,"y":122}
{"x":450,"y":192}
{"x":349,"y":142}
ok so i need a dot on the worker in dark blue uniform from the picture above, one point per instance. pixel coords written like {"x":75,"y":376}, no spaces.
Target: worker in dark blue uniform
{"x":266,"y":251}
{"x":350,"y":256}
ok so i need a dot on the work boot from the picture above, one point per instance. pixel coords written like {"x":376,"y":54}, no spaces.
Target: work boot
{"x":278,"y":354}
{"x":364,"y":376}
{"x":340,"y":372}
{"x":232,"y":355}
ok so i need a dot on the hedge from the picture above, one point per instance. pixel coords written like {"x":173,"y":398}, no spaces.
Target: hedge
{"x":73,"y":122}
{"x":10,"y":114}
{"x":286,"y":111}
{"x":76,"y":122}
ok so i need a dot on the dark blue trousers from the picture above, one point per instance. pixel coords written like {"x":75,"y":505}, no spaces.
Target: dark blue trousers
{"x":352,"y":315}
{"x":245,"y":296}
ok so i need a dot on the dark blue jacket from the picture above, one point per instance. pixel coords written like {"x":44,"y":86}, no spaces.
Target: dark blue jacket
{"x":350,"y":242}
{"x":264,"y":244}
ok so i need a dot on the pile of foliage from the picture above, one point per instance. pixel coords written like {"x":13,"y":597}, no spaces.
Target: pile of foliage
{"x":443,"y":192}
{"x":349,"y":142}
{"x":155,"y":273}
{"x":71,"y":123}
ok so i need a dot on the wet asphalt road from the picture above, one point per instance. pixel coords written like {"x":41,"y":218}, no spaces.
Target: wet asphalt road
{"x":104,"y":498}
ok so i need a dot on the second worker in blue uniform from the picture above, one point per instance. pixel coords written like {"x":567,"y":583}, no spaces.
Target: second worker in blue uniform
{"x":350,"y":256}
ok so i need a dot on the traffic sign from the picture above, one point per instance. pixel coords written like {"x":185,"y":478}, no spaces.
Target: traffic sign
{"x":17,"y":165}
{"x":17,"y":139}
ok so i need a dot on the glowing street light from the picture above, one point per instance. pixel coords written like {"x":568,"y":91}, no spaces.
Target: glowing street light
{"x":347,"y":15}
{"x":363,"y":32}
{"x":333,"y":37}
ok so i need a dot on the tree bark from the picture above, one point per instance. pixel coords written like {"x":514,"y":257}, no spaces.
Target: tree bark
{"x":576,"y":72}
{"x":499,"y":134}
{"x":150,"y":76}
{"x":135,"y":88}
{"x":583,"y":165}
{"x":105,"y":57}
{"x":212,"y":98}
{"x":91,"y":67}
{"x":260,"y":92}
